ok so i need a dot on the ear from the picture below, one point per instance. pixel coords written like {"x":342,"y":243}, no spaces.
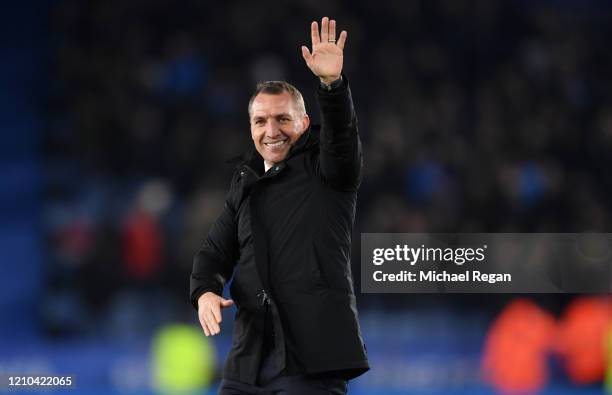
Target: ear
{"x":305,"y":122}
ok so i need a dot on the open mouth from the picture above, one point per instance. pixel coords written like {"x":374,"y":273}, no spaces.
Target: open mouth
{"x":276,"y":144}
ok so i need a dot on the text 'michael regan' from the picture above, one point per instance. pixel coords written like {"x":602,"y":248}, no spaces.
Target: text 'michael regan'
{"x":486,"y":263}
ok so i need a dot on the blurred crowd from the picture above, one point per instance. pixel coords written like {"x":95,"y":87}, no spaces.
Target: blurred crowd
{"x":475,"y":116}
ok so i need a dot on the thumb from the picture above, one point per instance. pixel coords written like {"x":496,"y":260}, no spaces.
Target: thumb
{"x":226,"y":302}
{"x":306,"y":54}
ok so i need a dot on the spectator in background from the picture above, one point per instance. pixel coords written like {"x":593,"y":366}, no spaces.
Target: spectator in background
{"x":143,"y":242}
{"x":493,"y":115}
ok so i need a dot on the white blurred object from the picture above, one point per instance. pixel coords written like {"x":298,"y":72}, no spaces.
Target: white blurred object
{"x":155,"y":197}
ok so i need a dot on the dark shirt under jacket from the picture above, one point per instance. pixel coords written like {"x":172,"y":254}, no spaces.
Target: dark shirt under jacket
{"x":286,"y":236}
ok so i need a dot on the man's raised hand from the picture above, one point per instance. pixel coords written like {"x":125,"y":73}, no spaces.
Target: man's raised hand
{"x":209,"y":312}
{"x":325,"y":60}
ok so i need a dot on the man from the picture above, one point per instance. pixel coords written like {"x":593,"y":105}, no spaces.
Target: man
{"x":285,"y":234}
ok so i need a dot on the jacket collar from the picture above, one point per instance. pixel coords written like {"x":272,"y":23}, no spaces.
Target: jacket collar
{"x":305,"y":142}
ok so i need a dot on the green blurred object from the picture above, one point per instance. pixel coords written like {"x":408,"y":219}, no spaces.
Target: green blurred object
{"x":183,"y":360}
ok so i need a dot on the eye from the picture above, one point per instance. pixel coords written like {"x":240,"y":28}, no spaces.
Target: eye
{"x":259,"y":122}
{"x":285,"y":119}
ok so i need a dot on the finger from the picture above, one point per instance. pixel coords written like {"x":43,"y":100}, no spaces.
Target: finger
{"x":342,"y":39}
{"x":216,"y":312}
{"x":213,"y":327}
{"x":306,"y":54}
{"x":324,"y":29}
{"x":204,"y":326}
{"x":314,"y":33}
{"x":332,"y":30}
{"x":211,"y":332}
{"x":227,"y":302}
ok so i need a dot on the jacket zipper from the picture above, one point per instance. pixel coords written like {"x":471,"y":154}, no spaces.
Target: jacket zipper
{"x":267,"y":174}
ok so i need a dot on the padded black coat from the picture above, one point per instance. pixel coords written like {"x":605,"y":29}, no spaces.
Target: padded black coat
{"x":285,"y":236}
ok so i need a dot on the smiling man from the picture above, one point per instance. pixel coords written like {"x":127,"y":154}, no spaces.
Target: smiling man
{"x":285,"y":237}
{"x":278,"y":119}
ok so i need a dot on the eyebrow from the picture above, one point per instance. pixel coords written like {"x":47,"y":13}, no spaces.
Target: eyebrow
{"x":261,"y":117}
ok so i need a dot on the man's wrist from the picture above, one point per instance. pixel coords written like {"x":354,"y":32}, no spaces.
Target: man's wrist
{"x":330,"y":83}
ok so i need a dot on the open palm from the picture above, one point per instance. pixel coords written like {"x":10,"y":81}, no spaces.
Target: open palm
{"x":326,"y":58}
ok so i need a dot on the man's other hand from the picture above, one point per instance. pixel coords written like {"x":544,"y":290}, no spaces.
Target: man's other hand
{"x":209,"y":312}
{"x":326,"y":58}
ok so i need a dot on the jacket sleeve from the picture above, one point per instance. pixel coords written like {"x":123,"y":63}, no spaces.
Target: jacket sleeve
{"x":340,"y":158}
{"x":214,"y":263}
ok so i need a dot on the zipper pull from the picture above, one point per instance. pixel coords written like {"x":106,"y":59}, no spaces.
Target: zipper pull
{"x":264,"y":299}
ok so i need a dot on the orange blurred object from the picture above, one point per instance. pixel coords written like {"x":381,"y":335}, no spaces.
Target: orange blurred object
{"x":517,"y":347}
{"x":581,"y":340}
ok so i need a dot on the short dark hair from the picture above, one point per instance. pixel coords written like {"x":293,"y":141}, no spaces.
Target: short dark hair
{"x":277,"y":88}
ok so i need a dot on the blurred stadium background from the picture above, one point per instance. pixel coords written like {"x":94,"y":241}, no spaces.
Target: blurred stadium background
{"x":117,"y":120}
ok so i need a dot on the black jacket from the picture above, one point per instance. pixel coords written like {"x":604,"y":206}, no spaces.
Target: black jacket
{"x":286,"y":237}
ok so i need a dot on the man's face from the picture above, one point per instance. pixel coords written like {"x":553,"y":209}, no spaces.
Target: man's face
{"x":276,"y":124}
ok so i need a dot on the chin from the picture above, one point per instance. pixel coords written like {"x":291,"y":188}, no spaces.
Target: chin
{"x":275,"y":158}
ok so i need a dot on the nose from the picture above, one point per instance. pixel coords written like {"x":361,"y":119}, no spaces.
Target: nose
{"x":272,"y":129}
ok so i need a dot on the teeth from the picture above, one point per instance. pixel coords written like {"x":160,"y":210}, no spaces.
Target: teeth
{"x":275,"y":144}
